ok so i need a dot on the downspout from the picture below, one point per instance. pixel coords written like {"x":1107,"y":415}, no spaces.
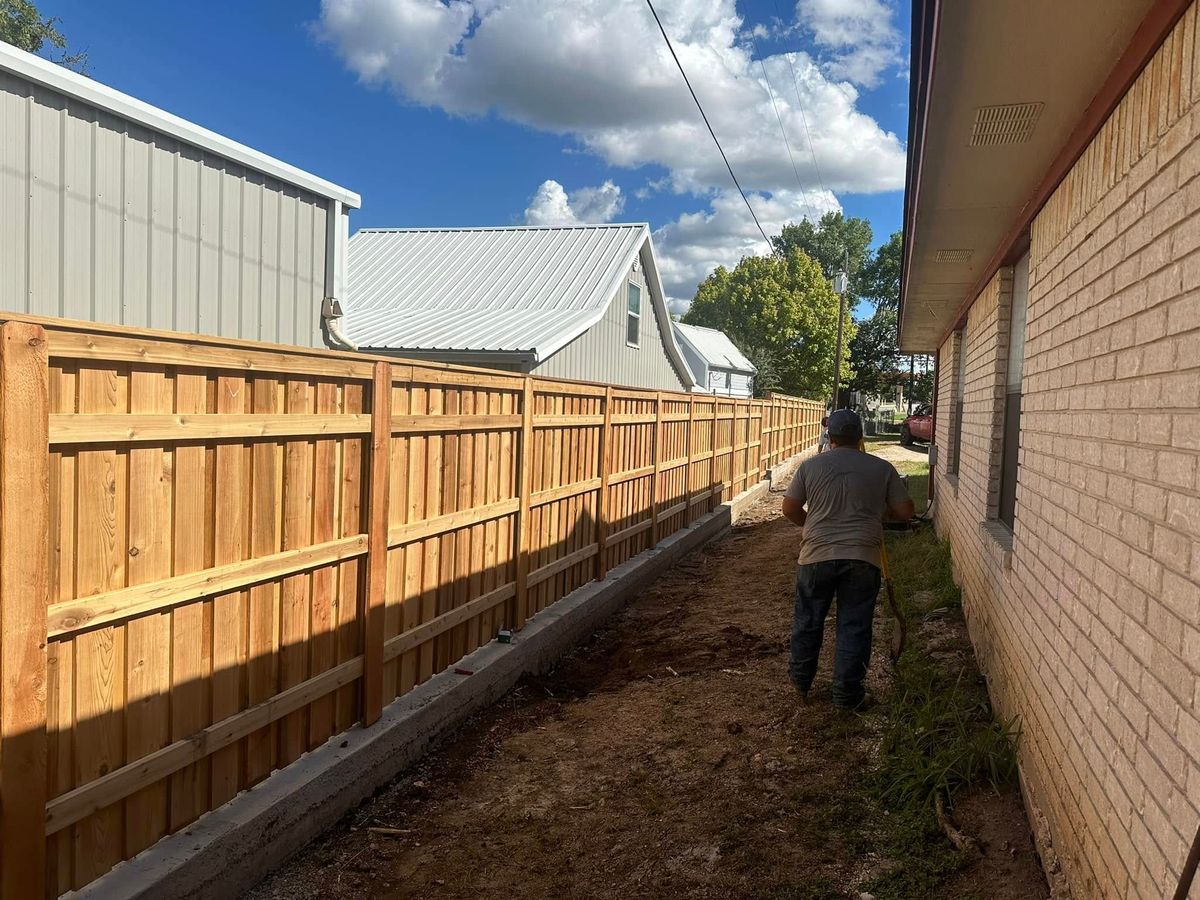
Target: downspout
{"x":337,"y":236}
{"x":331,"y":315}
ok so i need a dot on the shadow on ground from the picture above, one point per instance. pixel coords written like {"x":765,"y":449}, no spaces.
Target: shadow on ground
{"x":665,"y":757}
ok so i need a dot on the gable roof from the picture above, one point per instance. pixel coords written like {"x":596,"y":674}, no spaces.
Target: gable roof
{"x":529,"y":290}
{"x":714,"y":347}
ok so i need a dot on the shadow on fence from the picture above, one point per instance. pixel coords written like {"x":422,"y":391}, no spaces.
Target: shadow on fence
{"x":216,"y":556}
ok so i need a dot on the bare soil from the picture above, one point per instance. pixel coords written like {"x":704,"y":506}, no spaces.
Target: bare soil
{"x":666,"y":757}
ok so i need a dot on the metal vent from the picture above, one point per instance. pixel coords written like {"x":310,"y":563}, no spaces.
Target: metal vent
{"x":1011,"y":123}
{"x":952,"y":255}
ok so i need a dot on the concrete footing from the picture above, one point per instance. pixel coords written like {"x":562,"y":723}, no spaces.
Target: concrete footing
{"x":230,"y":849}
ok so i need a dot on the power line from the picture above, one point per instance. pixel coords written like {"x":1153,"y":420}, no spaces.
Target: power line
{"x":803,"y":118}
{"x":686,"y":81}
{"x":800,"y":104}
{"x":800,"y":184}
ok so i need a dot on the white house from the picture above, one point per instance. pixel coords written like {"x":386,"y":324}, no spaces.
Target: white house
{"x":582,"y":302}
{"x":115,"y":211}
{"x":717,"y":365}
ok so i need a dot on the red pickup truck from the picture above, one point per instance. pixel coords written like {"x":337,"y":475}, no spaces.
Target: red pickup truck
{"x":917,"y":427}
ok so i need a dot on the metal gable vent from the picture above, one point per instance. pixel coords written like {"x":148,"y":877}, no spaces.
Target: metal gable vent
{"x":1011,"y":123}
{"x":952,"y":255}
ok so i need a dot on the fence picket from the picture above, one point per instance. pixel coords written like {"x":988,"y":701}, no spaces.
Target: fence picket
{"x":254,"y":549}
{"x":24,"y":534}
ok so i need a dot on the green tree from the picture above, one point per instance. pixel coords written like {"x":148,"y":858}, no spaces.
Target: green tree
{"x":879,"y":278}
{"x":22,"y":25}
{"x":782,"y":305}
{"x":874,"y":354}
{"x":766,"y":376}
{"x":831,"y":242}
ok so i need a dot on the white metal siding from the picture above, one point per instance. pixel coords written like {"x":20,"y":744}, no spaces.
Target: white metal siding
{"x":728,"y":383}
{"x":602,"y":354}
{"x":105,"y":220}
{"x":697,"y":363}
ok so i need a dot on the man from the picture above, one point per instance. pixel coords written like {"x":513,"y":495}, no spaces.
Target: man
{"x":847,"y":492}
{"x":823,"y":440}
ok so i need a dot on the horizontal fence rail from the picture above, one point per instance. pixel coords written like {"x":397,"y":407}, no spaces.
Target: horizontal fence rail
{"x":214,"y":557}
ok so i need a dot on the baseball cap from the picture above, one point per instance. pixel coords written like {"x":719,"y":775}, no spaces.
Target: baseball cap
{"x":845,"y":423}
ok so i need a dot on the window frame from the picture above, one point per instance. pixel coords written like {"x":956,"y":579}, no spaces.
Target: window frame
{"x":960,"y":392}
{"x":1010,"y":422}
{"x":633,"y":319}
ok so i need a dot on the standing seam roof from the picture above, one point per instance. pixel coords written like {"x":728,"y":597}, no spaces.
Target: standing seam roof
{"x":517,"y":289}
{"x":714,"y":346}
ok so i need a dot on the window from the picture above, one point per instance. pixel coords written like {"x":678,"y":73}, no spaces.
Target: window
{"x":960,"y":389}
{"x":633,"y":318}
{"x":1012,"y":393}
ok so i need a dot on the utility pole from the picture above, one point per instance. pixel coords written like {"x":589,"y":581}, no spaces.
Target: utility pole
{"x":841,"y":283}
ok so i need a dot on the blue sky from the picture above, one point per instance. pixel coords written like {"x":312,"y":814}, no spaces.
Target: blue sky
{"x":482,"y":112}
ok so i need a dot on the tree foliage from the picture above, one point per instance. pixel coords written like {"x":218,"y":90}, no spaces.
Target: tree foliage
{"x":874,"y":354}
{"x":832,"y":242}
{"x":782,"y":306}
{"x":879,"y":279}
{"x":766,"y":375}
{"x":22,"y":25}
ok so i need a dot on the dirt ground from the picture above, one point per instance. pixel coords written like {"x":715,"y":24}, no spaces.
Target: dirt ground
{"x":666,"y":757}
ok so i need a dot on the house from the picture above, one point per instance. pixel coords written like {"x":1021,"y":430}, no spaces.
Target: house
{"x":717,"y":365}
{"x":1052,"y":263}
{"x":114,"y":211}
{"x":582,"y":302}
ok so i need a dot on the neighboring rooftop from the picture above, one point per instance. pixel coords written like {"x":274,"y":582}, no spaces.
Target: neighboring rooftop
{"x":715,"y":347}
{"x":517,"y":290}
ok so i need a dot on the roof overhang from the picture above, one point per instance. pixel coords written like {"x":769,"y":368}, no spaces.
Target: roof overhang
{"x":970,"y":199}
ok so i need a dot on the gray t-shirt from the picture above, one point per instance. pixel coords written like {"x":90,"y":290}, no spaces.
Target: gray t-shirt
{"x":847,"y":492}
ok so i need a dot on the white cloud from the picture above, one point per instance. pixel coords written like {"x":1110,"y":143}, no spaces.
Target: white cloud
{"x":859,"y":38}
{"x":598,"y":71}
{"x":689,"y":248}
{"x":551,"y":205}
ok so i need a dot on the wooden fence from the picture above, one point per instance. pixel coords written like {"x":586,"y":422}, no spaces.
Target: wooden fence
{"x":216,"y":556}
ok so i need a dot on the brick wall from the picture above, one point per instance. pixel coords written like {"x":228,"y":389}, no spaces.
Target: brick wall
{"x":1087,"y":617}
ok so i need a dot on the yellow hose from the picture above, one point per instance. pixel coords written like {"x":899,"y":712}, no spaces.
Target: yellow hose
{"x":900,"y":634}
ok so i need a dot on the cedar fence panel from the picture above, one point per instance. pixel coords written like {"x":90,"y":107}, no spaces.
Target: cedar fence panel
{"x":215,"y":556}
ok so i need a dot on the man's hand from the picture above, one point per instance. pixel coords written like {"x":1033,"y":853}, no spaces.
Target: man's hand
{"x":900,"y":512}
{"x":793,"y":511}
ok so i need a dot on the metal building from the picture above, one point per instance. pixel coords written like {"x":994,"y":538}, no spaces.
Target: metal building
{"x":581,"y":302}
{"x":716,"y":363}
{"x":112,"y":210}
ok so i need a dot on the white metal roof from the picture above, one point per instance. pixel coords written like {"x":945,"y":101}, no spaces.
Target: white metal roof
{"x":714,"y":347}
{"x":93,"y":93}
{"x":517,"y":289}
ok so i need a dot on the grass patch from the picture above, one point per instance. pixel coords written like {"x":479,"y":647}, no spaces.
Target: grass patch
{"x":940,"y":734}
{"x":919,"y":562}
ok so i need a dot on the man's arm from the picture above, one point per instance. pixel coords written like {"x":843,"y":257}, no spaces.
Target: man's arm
{"x":793,"y":511}
{"x":902,"y":511}
{"x":899,"y":504}
{"x":794,"y":499}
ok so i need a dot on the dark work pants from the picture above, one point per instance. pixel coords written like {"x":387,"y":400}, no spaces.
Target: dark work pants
{"x":855,"y":584}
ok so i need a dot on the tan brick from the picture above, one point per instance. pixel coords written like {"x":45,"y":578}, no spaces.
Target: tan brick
{"x":1093,"y":635}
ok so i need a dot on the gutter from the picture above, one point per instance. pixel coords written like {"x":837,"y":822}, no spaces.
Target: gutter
{"x":926,"y":17}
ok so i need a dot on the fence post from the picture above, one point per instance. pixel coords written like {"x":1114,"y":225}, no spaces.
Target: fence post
{"x":656,"y":446}
{"x":24,"y":535}
{"x":379,"y":490}
{"x":745,"y":478}
{"x":687,"y":446}
{"x":520,"y":601}
{"x":712,"y":463}
{"x":602,"y":500}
